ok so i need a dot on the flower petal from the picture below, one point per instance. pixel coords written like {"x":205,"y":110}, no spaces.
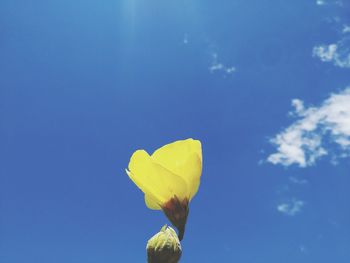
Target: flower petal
{"x":155,"y":180}
{"x":183,"y":158}
{"x":192,"y":171}
{"x":151,"y":203}
{"x":143,"y":187}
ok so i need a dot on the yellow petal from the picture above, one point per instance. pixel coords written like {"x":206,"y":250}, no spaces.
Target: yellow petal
{"x":192,"y":171}
{"x":183,"y":158}
{"x":151,"y":203}
{"x":144,"y":188}
{"x":154,"y":180}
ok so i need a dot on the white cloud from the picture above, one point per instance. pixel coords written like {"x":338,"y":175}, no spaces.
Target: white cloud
{"x":298,"y":105}
{"x":218,"y":66}
{"x":336,"y":53}
{"x":329,"y":2}
{"x":346,"y":29}
{"x":291,"y":208}
{"x":296,"y":180}
{"x":306,"y":140}
{"x":326,"y":53}
{"x":230,"y":70}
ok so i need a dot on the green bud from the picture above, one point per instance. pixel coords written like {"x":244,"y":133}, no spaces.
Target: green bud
{"x":164,"y":247}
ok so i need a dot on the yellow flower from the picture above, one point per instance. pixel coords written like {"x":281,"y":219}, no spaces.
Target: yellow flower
{"x":169,"y":178}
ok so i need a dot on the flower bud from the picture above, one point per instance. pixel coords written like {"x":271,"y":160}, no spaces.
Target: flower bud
{"x":164,"y":247}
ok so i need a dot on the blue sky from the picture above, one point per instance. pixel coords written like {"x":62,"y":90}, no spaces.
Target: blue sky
{"x":263,"y":84}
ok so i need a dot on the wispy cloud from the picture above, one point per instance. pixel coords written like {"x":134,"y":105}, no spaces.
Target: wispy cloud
{"x":219,"y":66}
{"x":298,"y":181}
{"x":320,"y":2}
{"x":337,"y":52}
{"x":314,"y":133}
{"x":326,"y":53}
{"x":346,"y":29}
{"x":185,"y":40}
{"x":291,"y":208}
{"x":329,"y":2}
{"x":303,"y":249}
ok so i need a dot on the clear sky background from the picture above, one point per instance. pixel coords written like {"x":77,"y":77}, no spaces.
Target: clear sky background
{"x":262,"y":83}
